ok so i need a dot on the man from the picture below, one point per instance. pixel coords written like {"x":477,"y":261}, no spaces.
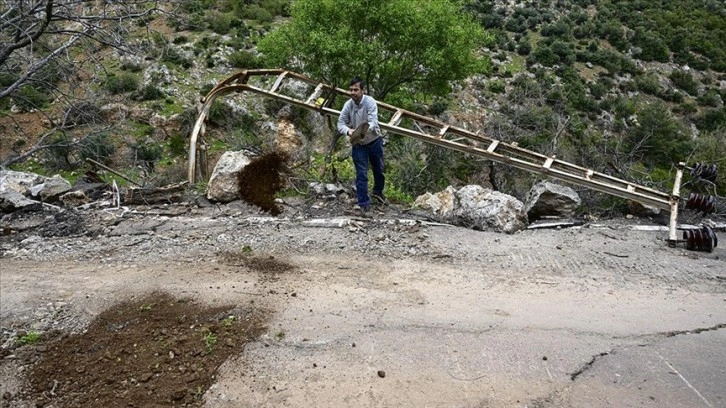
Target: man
{"x":367,"y":142}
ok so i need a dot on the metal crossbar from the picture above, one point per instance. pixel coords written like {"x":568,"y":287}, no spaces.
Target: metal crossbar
{"x":437,"y":133}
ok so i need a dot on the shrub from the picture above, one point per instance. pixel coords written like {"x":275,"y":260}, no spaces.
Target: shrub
{"x":147,"y":154}
{"x":648,"y":84}
{"x":29,"y":97}
{"x":661,"y":140}
{"x":711,"y":119}
{"x":710,"y":98}
{"x":176,"y":145}
{"x":685,"y":81}
{"x":125,"y":82}
{"x":497,"y":86}
{"x":98,"y":147}
{"x":220,"y":114}
{"x":524,"y":47}
{"x":652,"y":47}
{"x":598,"y":90}
{"x":218,"y":22}
{"x":544,"y":55}
{"x":7,"y":79}
{"x":438,"y":106}
{"x":686,"y":107}
{"x":257,"y":13}
{"x":172,"y":55}
{"x":277,"y":7}
{"x":82,"y":113}
{"x":243,"y":59}
{"x":151,"y":92}
{"x":558,"y":29}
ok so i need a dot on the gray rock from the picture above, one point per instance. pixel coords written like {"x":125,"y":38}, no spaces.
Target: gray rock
{"x":11,"y":200}
{"x":475,"y":207}
{"x":19,"y":181}
{"x":440,"y":204}
{"x":485,"y":209}
{"x":74,"y":198}
{"x":642,"y":210}
{"x":51,"y":188}
{"x":223,"y":185}
{"x":550,"y":199}
{"x":324,"y":189}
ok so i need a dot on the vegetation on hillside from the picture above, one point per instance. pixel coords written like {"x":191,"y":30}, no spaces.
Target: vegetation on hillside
{"x":627,"y":87}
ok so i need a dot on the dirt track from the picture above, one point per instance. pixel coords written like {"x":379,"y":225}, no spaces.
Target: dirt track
{"x":386,"y":312}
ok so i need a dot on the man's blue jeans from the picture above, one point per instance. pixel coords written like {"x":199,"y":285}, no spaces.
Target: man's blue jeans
{"x":362,"y":155}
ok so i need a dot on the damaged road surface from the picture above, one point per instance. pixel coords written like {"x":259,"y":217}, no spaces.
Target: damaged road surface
{"x":377,"y":312}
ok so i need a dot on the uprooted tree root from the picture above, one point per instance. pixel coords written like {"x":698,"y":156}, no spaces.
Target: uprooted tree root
{"x":260,"y":180}
{"x":154,"y":351}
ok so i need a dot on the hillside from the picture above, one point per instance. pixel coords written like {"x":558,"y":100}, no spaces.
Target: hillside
{"x":628,"y":88}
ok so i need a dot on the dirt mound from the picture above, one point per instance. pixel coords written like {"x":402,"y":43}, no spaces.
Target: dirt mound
{"x":154,"y":351}
{"x":260,"y":180}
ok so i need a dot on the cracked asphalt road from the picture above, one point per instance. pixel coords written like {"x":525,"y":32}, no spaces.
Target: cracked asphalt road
{"x":597,"y":316}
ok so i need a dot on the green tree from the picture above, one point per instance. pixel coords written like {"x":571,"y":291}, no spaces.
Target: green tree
{"x":419,"y":44}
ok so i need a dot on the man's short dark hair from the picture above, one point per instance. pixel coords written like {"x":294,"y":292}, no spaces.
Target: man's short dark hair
{"x":357,"y":80}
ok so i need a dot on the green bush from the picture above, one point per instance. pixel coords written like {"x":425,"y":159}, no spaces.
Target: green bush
{"x":147,"y":154}
{"x":243,"y":59}
{"x":710,"y":98}
{"x":98,"y":147}
{"x":684,"y":80}
{"x":218,"y":22}
{"x":653,"y":48}
{"x":173,"y":56}
{"x":29,"y":97}
{"x":648,"y":84}
{"x":497,"y":86}
{"x":558,"y":29}
{"x":220,"y":114}
{"x":150,"y":93}
{"x":7,"y":79}
{"x":122,"y":83}
{"x":543,"y":55}
{"x":524,"y":47}
{"x":438,"y":106}
{"x":176,"y":145}
{"x":711,"y":119}
{"x":686,"y":107}
{"x":660,"y":139}
{"x":277,"y":7}
{"x":257,"y":13}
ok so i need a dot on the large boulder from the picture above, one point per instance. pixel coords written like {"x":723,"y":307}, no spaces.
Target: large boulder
{"x":224,"y":184}
{"x":51,"y":189}
{"x":19,"y":181}
{"x":550,"y":199}
{"x":476,"y":207}
{"x":11,"y":200}
{"x":643,"y":210}
{"x":441,"y":204}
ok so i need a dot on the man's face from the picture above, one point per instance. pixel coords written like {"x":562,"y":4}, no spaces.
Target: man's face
{"x":355,"y":92}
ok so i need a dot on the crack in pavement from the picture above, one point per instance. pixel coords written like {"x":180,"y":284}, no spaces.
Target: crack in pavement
{"x":695,"y":331}
{"x":674,"y":333}
{"x":589,"y":364}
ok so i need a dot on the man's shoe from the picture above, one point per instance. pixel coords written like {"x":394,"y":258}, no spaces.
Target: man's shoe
{"x":359,"y":211}
{"x":379,"y":199}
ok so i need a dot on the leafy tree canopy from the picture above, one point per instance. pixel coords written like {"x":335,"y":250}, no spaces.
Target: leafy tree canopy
{"x":419,"y":44}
